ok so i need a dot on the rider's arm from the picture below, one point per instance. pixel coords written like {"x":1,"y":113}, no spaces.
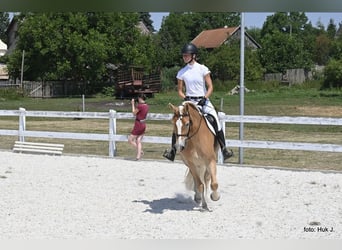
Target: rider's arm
{"x":180,"y":89}
{"x":209,"y":84}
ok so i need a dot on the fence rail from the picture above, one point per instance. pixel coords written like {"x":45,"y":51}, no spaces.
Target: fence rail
{"x":113,"y":137}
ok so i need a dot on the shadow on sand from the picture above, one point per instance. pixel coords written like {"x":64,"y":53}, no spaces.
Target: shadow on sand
{"x":180,"y":202}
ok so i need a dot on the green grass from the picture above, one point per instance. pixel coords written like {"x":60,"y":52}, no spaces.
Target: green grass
{"x":266,"y":100}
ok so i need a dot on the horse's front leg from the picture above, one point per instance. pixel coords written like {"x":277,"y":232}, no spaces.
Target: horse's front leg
{"x":215,"y":195}
{"x":200,"y":197}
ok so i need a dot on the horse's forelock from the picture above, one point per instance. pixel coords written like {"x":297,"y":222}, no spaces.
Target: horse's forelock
{"x":181,"y":110}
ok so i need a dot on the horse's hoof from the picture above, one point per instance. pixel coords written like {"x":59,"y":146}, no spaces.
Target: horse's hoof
{"x":205,"y":209}
{"x":215,"y":196}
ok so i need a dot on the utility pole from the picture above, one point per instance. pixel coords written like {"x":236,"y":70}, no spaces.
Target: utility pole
{"x":22,"y":71}
{"x":242,"y":85}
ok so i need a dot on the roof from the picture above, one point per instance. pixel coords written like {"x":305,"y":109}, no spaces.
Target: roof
{"x":214,"y":38}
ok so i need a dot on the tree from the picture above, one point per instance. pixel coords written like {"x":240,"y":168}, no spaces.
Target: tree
{"x":281,"y":51}
{"x":323,"y":48}
{"x":224,"y":63}
{"x":179,"y":28}
{"x":286,"y":43}
{"x":331,"y":29}
{"x":333,"y":74}
{"x":4,"y":22}
{"x":285,"y":22}
{"x":78,"y":46}
{"x":60,"y":46}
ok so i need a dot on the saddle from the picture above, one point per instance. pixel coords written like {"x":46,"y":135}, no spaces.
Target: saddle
{"x":209,"y":119}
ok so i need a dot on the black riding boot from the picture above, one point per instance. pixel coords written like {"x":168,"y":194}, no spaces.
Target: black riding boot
{"x":171,"y":153}
{"x":222,"y":141}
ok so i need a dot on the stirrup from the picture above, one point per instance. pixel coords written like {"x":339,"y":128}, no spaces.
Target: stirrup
{"x":170,"y":154}
{"x":227,"y":154}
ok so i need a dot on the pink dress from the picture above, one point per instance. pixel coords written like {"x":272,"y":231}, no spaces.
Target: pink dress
{"x":139,"y":124}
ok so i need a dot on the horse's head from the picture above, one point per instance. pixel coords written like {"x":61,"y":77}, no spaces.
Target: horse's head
{"x":182,"y":121}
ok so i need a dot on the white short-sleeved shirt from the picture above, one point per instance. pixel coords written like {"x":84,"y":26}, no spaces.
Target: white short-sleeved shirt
{"x":193,"y":77}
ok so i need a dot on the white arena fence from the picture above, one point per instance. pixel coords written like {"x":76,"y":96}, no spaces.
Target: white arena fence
{"x":113,"y":137}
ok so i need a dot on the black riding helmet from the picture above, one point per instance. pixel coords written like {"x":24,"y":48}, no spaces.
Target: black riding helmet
{"x":189,"y":49}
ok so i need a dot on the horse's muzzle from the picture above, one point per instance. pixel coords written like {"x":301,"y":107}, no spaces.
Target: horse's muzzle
{"x":180,"y":145}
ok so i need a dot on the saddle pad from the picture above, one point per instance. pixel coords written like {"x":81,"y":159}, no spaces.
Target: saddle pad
{"x":210,"y":126}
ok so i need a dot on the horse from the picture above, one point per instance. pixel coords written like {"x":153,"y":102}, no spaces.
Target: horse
{"x":198,"y":149}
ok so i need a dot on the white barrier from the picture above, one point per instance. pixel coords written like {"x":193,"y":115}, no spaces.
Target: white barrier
{"x":34,"y":147}
{"x":112,"y":136}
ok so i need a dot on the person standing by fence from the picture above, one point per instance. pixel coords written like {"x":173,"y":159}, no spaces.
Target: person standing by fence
{"x":140,"y":111}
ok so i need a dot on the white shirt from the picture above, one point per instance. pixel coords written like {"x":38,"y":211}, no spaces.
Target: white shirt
{"x":193,"y":78}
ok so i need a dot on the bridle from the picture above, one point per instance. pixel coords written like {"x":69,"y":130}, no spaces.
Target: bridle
{"x":187,"y":134}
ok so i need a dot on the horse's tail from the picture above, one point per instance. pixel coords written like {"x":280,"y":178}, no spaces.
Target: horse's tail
{"x":189,"y":180}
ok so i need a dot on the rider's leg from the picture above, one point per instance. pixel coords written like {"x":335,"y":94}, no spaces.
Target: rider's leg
{"x":219,"y":133}
{"x":222,"y":142}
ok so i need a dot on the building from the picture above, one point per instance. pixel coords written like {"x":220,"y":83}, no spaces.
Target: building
{"x":12,"y":35}
{"x":3,"y":67}
{"x":3,"y":48}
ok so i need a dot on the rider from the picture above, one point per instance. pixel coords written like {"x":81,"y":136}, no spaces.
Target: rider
{"x":199,"y":86}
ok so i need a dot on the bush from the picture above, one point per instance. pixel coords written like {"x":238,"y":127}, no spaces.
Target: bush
{"x":108,"y":91}
{"x":10,"y":94}
{"x":168,"y":78}
{"x":333,"y":74}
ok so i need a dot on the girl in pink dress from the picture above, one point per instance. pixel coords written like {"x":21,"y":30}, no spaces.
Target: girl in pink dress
{"x":140,"y":111}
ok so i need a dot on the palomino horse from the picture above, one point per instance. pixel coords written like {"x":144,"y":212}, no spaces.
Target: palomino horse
{"x":198,"y":150}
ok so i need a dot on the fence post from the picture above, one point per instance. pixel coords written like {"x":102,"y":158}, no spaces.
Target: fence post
{"x":223,"y":125}
{"x":22,"y":124}
{"x":112,"y":132}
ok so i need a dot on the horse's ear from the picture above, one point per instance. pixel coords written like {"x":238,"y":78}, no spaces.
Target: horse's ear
{"x":171,"y":106}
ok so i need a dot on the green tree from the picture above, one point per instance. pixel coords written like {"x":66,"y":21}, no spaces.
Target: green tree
{"x":331,"y":29}
{"x":4,"y":22}
{"x":323,"y":47}
{"x":333,"y":74}
{"x":179,"y":28}
{"x":224,"y":63}
{"x":286,"y":42}
{"x":173,"y":34}
{"x":78,"y":46}
{"x":281,"y":51}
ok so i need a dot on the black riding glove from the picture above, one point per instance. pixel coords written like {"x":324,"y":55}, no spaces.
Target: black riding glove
{"x":202,"y":102}
{"x":187,"y":98}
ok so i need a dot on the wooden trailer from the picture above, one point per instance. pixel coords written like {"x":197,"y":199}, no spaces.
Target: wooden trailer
{"x":133,"y":81}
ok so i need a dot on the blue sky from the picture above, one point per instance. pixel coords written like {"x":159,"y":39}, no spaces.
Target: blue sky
{"x":256,"y":19}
